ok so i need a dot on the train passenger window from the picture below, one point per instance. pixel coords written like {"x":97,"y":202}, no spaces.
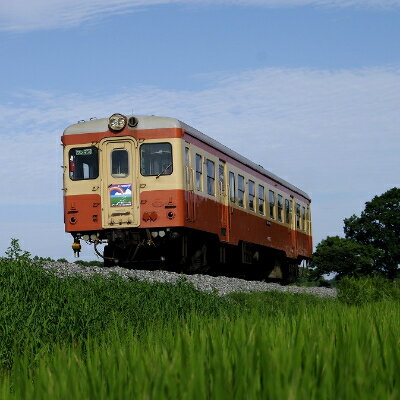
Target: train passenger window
{"x":156,"y":159}
{"x":261,"y":199}
{"x":187,"y":168}
{"x":199,"y":171}
{"x":119,"y":163}
{"x":298,"y":216}
{"x":251,"y":195}
{"x":280,"y":207}
{"x":290,"y":211}
{"x":287,"y":211}
{"x":232,"y":187}
{"x":271,"y":204}
{"x":83,"y":163}
{"x":210,"y":177}
{"x":303,"y":218}
{"x":240,"y":190}
{"x":221,"y":178}
{"x":187,"y":162}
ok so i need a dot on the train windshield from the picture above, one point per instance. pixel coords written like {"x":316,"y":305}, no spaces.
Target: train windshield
{"x":156,"y":159}
{"x":83,"y":163}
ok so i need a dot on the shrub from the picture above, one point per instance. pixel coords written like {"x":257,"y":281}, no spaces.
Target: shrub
{"x":357,"y":291}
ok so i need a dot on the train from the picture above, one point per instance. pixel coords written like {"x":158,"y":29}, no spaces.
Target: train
{"x":157,"y":192}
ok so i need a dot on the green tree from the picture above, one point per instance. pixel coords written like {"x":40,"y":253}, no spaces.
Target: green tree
{"x":345,"y":257}
{"x":379,"y":226}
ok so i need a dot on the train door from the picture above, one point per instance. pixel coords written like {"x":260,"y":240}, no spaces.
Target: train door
{"x":120,"y":194}
{"x":223,"y":201}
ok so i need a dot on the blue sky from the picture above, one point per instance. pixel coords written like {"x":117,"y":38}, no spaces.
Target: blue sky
{"x":315,"y":83}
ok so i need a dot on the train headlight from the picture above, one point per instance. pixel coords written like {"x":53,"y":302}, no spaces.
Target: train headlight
{"x":117,"y":122}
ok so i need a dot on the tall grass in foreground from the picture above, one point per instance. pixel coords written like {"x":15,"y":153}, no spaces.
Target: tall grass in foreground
{"x":348,"y":353}
{"x":79,"y":338}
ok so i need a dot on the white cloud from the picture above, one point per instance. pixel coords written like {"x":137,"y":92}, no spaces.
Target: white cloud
{"x":335,"y":134}
{"x":25,"y":15}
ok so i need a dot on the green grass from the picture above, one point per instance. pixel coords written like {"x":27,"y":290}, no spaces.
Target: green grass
{"x":111,"y":339}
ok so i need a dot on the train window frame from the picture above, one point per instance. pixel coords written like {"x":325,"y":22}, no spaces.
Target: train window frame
{"x":199,"y":172}
{"x":164,"y":170}
{"x":72,"y":163}
{"x":252,"y":194}
{"x":241,"y":191}
{"x":261,"y":200}
{"x":271,"y":202}
{"x":210,"y":173}
{"x":280,"y":207}
{"x":303,"y":217}
{"x":232,"y":187}
{"x":119,"y":175}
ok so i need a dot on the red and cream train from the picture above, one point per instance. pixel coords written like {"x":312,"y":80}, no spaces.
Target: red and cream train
{"x":157,"y":190}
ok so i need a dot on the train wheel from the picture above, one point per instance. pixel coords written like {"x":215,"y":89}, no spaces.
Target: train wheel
{"x":199,"y":259}
{"x":108,"y":255}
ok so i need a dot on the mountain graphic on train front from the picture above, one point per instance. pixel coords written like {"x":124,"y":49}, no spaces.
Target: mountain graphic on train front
{"x":120,"y":195}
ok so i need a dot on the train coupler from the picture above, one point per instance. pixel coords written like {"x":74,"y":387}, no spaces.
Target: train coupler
{"x":76,"y":247}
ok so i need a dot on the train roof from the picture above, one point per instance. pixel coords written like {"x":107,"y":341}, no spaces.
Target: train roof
{"x":155,"y":122}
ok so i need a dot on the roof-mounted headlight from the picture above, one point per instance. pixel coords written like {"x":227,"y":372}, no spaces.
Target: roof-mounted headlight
{"x":117,"y":122}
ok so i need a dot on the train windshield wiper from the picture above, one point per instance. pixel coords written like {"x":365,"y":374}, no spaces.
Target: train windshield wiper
{"x":162,"y":172}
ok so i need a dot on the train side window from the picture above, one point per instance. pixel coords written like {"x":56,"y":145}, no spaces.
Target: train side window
{"x":280,"y":207}
{"x":187,"y":167}
{"x":221,"y":178}
{"x":119,"y":163}
{"x":240,"y":190}
{"x":303,"y":218}
{"x":298,"y":215}
{"x":287,"y":211}
{"x":211,"y":177}
{"x":187,"y":161}
{"x":261,"y":194}
{"x":271,"y":204}
{"x":83,"y":163}
{"x":155,"y":159}
{"x":232,"y":187}
{"x":251,"y":195}
{"x":290,"y":211}
{"x":199,"y":171}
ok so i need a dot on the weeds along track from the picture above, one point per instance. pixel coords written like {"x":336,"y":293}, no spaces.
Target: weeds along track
{"x":221,"y":284}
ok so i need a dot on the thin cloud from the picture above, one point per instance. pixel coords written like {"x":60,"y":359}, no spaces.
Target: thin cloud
{"x":26,"y":15}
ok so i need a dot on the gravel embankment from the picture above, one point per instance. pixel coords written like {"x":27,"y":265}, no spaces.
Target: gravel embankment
{"x":223,"y":285}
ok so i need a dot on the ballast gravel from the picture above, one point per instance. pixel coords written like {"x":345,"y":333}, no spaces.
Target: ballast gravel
{"x":222,"y":284}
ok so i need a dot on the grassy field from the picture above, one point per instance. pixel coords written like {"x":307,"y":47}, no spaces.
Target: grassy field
{"x":79,"y":338}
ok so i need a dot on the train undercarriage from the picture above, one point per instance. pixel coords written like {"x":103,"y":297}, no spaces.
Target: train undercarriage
{"x":188,"y":251}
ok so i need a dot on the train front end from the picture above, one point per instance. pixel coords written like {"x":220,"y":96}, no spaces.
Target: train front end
{"x":122,"y":183}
